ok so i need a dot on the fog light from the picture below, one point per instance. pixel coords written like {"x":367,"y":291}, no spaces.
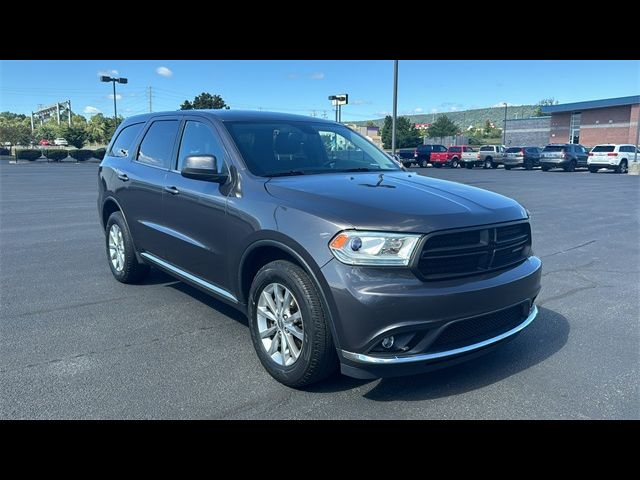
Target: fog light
{"x":387,"y":342}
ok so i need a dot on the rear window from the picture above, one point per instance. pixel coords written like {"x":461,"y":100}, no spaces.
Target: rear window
{"x":486,"y":149}
{"x":455,"y":149}
{"x":604,"y":148}
{"x":554,"y":148}
{"x":513,"y":149}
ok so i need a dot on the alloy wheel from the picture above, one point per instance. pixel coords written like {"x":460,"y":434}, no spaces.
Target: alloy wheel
{"x":116,"y":247}
{"x":280,"y":324}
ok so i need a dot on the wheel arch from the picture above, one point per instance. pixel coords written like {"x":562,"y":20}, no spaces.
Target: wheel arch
{"x":265,"y":250}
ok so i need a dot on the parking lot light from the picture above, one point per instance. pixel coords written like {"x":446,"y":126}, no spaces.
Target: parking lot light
{"x":106,"y":78}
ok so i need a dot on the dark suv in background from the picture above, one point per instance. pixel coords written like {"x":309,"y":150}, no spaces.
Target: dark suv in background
{"x":422,"y":153}
{"x":567,"y":156}
{"x":336,"y":255}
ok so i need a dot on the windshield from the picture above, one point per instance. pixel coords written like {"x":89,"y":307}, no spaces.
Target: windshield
{"x":277,"y":148}
{"x":554,"y":148}
{"x":604,"y":148}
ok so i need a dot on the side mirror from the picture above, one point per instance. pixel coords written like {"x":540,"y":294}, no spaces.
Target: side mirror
{"x":202,"y":167}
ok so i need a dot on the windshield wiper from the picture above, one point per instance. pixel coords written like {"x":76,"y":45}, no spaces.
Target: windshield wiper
{"x":288,"y":173}
{"x":358,"y":169}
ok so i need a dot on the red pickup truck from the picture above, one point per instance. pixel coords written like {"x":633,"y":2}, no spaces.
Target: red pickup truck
{"x":453,"y":156}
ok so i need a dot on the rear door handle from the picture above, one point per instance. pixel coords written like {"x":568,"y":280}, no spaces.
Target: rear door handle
{"x":123,"y":176}
{"x":172,"y":190}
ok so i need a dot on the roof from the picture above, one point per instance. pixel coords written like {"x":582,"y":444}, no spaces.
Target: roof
{"x":607,"y":102}
{"x":236,"y":115}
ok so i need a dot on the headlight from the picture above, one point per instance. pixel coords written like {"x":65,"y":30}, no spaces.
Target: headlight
{"x":373,"y":248}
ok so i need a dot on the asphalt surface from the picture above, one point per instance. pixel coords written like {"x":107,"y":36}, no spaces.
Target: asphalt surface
{"x":74,"y":343}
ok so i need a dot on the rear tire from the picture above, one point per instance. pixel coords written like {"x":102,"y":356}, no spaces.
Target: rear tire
{"x":438,"y":165}
{"x":454,"y":163}
{"x":469,"y":165}
{"x":528,"y":165}
{"x":120,"y":251}
{"x":593,"y":169}
{"x":317,"y":357}
{"x":423,"y":164}
{"x":545,"y":168}
{"x":571,"y":167}
{"x":507,"y":167}
{"x":488,"y":163}
{"x":622,"y":168}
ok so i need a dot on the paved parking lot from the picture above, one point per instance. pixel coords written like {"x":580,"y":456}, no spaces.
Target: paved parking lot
{"x":74,"y":343}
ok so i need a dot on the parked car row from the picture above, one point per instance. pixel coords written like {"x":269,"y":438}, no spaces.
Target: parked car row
{"x":567,"y":156}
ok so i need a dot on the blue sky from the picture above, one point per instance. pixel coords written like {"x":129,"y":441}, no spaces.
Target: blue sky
{"x":303,"y":86}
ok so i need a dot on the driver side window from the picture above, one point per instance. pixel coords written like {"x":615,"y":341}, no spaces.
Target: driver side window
{"x":199,"y":139}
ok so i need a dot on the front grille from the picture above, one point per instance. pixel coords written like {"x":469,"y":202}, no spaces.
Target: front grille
{"x":478,"y":329}
{"x":474,"y":251}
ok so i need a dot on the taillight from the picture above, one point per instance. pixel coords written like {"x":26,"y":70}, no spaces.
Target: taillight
{"x":522,"y":152}
{"x":478,"y":156}
{"x":591,"y":154}
{"x":612,"y":154}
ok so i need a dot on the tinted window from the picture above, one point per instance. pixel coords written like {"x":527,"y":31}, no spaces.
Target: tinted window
{"x":455,"y":149}
{"x":272,"y":148}
{"x":486,"y":149}
{"x":442,"y":148}
{"x":199,"y":139}
{"x":469,"y":149}
{"x":124,"y":141}
{"x":625,"y":148}
{"x":554,"y":148}
{"x":157,"y":145}
{"x":513,"y":149}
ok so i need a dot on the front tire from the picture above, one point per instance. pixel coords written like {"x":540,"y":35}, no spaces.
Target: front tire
{"x":571,"y":167}
{"x":507,"y":167}
{"x":545,"y":168}
{"x":423,"y":164}
{"x":593,"y":169}
{"x":120,"y":251}
{"x":469,"y":165}
{"x":289,"y":326}
{"x":528,"y":165}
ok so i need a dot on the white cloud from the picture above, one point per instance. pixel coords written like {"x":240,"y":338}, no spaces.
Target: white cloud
{"x":293,"y":75}
{"x":454,"y":108}
{"x":164,"y":72}
{"x":434,"y":110}
{"x":91,"y":110}
{"x":110,"y":96}
{"x":107,"y":73}
{"x":417,"y":110}
{"x":317,"y":76}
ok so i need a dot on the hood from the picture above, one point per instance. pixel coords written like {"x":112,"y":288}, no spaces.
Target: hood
{"x":402,"y":202}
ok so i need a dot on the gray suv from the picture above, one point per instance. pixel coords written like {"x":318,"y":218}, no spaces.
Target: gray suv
{"x":337,"y":256}
{"x":567,"y":156}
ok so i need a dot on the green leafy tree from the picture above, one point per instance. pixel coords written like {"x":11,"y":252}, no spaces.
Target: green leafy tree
{"x":545,"y":102}
{"x":97,"y":128}
{"x":16,"y":131}
{"x":407,"y":135}
{"x":442,"y":127}
{"x":47,"y":131}
{"x":76,"y":135}
{"x":205,"y":101}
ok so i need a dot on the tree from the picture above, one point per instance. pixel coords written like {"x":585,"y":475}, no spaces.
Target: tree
{"x":545,"y":102}
{"x":76,"y":135}
{"x":205,"y":101}
{"x":442,"y":127}
{"x":407,"y":135}
{"x":97,"y":129}
{"x":47,"y":131}
{"x":15,"y":130}
{"x":370,"y":123}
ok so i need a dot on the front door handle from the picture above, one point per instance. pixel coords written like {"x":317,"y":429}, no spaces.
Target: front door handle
{"x":123,"y":176}
{"x":172,"y":190}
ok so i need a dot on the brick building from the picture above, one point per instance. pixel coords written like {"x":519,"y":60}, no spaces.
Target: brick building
{"x":534,"y":131}
{"x":612,"y":120}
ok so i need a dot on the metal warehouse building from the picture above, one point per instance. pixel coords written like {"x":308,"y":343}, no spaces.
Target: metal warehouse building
{"x":612,"y":120}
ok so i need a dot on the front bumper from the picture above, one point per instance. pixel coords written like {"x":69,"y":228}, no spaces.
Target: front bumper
{"x":374,"y":303}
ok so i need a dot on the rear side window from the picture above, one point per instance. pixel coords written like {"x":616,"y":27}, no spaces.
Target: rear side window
{"x":626,"y":149}
{"x":455,"y":149}
{"x":157,"y":145}
{"x":486,"y":149}
{"x":124,"y":141}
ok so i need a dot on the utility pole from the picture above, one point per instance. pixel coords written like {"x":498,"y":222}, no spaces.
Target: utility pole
{"x":504,"y":126}
{"x":395,"y":107}
{"x":69,"y":111}
{"x":150,"y":97}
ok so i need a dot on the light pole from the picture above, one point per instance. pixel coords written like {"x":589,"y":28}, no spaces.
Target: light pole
{"x":105,"y":78}
{"x":395,"y":107}
{"x":338,"y":101}
{"x":504,"y":126}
